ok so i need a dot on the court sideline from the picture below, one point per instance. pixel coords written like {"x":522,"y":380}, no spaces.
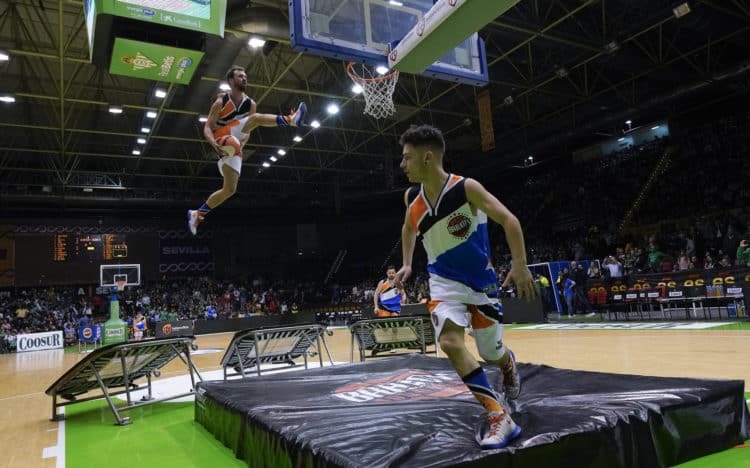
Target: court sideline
{"x":721,"y":354}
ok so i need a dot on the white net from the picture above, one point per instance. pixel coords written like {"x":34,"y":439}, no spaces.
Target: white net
{"x":377,"y":89}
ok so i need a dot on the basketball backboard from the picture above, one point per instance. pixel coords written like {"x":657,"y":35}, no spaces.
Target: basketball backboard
{"x":110,"y":275}
{"x":362,"y":30}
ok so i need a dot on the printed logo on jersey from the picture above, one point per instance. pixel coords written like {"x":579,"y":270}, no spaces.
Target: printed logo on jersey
{"x":405,"y":386}
{"x":459,"y":225}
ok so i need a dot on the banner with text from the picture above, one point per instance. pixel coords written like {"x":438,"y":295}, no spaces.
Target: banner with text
{"x":181,"y":254}
{"x":730,"y":277}
{"x":39,"y":341}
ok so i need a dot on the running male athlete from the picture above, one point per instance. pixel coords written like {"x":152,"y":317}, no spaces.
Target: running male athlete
{"x":233,"y":113}
{"x":449,"y":213}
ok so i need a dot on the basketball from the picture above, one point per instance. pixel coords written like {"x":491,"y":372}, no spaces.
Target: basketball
{"x":230,"y":145}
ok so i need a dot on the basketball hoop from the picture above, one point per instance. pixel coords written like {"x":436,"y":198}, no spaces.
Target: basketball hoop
{"x":120,"y":285}
{"x":378,"y":90}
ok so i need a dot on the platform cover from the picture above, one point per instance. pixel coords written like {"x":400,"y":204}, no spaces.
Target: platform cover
{"x":413,"y":411}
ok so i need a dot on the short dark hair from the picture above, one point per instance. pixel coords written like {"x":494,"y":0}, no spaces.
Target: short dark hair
{"x":234,"y":68}
{"x":390,"y":267}
{"x":424,"y":135}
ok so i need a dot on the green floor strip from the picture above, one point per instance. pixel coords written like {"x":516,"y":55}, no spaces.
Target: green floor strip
{"x":162,"y":434}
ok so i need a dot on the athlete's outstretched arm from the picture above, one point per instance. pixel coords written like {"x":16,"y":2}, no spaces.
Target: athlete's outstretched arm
{"x":408,"y":241}
{"x":519,"y":273}
{"x":208,"y":127}
{"x":375,"y":294}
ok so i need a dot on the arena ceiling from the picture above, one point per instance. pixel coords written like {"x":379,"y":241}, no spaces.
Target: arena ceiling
{"x":563,"y":72}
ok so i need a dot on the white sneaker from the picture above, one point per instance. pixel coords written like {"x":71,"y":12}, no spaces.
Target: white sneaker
{"x":193,"y":220}
{"x":501,"y":429}
{"x":298,"y":117}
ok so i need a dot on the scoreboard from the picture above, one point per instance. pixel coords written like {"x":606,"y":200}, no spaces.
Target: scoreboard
{"x":162,"y":40}
{"x":89,"y":248}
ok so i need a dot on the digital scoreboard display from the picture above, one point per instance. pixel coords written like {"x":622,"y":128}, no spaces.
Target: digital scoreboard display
{"x":89,"y":248}
{"x":206,"y":16}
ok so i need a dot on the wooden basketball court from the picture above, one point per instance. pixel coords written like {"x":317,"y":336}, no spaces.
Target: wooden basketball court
{"x":25,"y":409}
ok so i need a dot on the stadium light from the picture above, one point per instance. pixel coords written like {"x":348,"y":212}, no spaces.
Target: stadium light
{"x":273,"y":158}
{"x":332,"y":109}
{"x":357,"y":89}
{"x":115,"y":110}
{"x":136,"y":152}
{"x":297,"y":138}
{"x":225,"y":87}
{"x":266,"y":164}
{"x":4,"y":56}
{"x":7,"y":98}
{"x":141,"y":141}
{"x":160,"y":93}
{"x":654,"y":128}
{"x":281,"y":152}
{"x":382,"y":70}
{"x":151,"y":114}
{"x":203,"y":118}
{"x":315,"y":124}
{"x":145,"y":129}
{"x":256,"y":42}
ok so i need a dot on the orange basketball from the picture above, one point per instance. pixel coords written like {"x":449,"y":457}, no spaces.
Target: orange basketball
{"x":229,"y":144}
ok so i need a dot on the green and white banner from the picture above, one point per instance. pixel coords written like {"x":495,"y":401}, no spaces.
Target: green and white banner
{"x":153,"y":61}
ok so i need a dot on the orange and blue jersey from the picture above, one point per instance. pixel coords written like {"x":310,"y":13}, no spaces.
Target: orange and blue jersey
{"x":232,"y":117}
{"x":389,"y":297}
{"x":454,"y":235}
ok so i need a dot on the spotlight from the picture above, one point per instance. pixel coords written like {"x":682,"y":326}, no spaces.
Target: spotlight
{"x":225,"y":87}
{"x":145,"y":129}
{"x":203,"y":118}
{"x":273,"y":158}
{"x":297,"y":138}
{"x":256,"y":42}
{"x":141,"y":141}
{"x":357,"y":89}
{"x":160,"y":93}
{"x":136,"y":152}
{"x":681,"y":10}
{"x":332,"y":109}
{"x":266,"y":164}
{"x":315,"y":124}
{"x":115,"y":110}
{"x":281,"y":152}
{"x":382,"y":70}
{"x":151,"y":115}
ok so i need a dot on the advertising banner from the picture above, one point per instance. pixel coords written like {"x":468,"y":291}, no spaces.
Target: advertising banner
{"x":172,"y":329}
{"x":153,"y":61}
{"x":39,"y":341}
{"x":90,"y":333}
{"x":181,"y":254}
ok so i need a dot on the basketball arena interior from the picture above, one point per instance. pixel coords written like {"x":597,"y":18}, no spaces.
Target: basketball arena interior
{"x":142,"y":322}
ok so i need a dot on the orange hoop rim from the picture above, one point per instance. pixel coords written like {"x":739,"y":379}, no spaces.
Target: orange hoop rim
{"x":368,"y":80}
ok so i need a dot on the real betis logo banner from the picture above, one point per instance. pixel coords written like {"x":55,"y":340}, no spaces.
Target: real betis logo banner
{"x":153,"y":61}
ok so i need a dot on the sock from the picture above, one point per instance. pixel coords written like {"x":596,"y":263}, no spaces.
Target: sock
{"x":477,"y":382}
{"x":204,"y":210}
{"x":283,"y":120}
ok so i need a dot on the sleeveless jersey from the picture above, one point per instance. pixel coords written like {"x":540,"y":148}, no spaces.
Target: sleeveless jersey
{"x":231,"y":117}
{"x":454,"y":237}
{"x":389,"y":298}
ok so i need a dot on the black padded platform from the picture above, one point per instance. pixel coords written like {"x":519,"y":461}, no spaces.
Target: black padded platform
{"x":413,"y":411}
